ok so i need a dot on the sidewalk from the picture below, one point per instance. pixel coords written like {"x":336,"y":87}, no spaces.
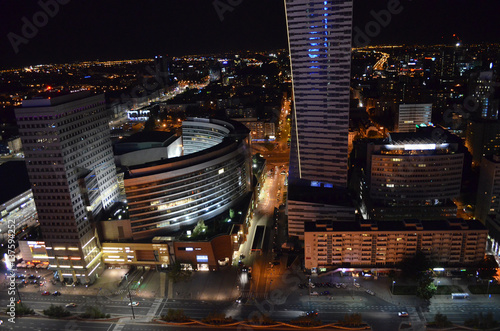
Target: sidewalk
{"x":207,"y":286}
{"x":108,"y":285}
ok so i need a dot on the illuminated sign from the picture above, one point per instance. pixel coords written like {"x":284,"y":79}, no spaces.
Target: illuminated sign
{"x":409,"y":147}
{"x":202,"y":258}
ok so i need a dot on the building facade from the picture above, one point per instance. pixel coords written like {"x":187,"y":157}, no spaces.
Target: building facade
{"x":452,"y":242}
{"x":488,"y":190}
{"x":73,"y":177}
{"x":414,"y":175}
{"x":411,"y":115}
{"x":172,"y":194}
{"x":319,"y":37}
{"x":482,"y":139}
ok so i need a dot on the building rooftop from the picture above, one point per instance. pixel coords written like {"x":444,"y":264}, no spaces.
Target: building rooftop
{"x":396,"y":226}
{"x":425,"y":135}
{"x":147,"y":136}
{"x":48,"y":99}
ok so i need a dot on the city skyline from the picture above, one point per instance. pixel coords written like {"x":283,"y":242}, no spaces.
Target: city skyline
{"x":129,"y":29}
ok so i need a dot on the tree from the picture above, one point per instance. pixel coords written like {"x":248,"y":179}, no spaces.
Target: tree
{"x":487,"y":267}
{"x":217,"y":318}
{"x":199,"y":228}
{"x":176,"y":273}
{"x":175,"y":315}
{"x":351,"y":320}
{"x":441,"y":321}
{"x":22,"y":309}
{"x":56,"y":311}
{"x":425,"y":286}
{"x":482,"y":322}
{"x":94,"y":313}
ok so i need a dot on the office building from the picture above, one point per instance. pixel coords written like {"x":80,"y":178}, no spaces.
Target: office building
{"x":481,"y":88}
{"x":414,"y":175}
{"x":73,"y":177}
{"x":411,"y":115}
{"x":482,"y":139}
{"x":488,"y":190}
{"x":319,"y":36}
{"x":168,"y":194}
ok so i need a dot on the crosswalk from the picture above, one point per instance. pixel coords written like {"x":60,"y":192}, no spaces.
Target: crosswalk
{"x":154,"y":308}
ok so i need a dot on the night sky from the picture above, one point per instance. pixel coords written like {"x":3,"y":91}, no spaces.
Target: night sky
{"x":125,"y":29}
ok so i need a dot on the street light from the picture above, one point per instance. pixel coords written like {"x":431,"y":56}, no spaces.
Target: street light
{"x":393,"y":282}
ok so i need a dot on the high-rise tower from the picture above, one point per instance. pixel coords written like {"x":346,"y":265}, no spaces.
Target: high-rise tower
{"x":319,"y":36}
{"x":73,"y":177}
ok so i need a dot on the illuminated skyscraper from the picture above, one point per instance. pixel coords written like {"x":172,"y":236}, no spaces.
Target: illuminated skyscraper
{"x":73,"y":176}
{"x":319,"y":36}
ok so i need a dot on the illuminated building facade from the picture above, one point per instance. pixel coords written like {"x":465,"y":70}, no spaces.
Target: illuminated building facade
{"x":449,"y":242}
{"x":414,"y":175}
{"x":213,"y":175}
{"x":73,"y":177}
{"x":411,"y":115}
{"x":319,"y":37}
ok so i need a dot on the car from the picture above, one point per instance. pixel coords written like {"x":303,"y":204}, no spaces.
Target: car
{"x":325,"y":293}
{"x":239,"y":299}
{"x":370,"y":292}
{"x":134,"y":303}
{"x":356,"y":285}
{"x":402,"y":314}
{"x":337,"y":285}
{"x":45,"y":293}
{"x":71,"y":305}
{"x":56,"y":293}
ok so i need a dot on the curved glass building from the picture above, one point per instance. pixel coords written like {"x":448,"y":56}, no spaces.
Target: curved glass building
{"x":211,"y":176}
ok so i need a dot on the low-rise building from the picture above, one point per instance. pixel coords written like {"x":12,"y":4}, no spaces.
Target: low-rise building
{"x":451,"y":242}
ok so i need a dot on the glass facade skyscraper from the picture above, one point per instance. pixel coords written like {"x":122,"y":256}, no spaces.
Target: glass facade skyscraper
{"x":319,"y":35}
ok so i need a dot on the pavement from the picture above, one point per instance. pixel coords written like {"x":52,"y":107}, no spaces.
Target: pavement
{"x":210,"y":286}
